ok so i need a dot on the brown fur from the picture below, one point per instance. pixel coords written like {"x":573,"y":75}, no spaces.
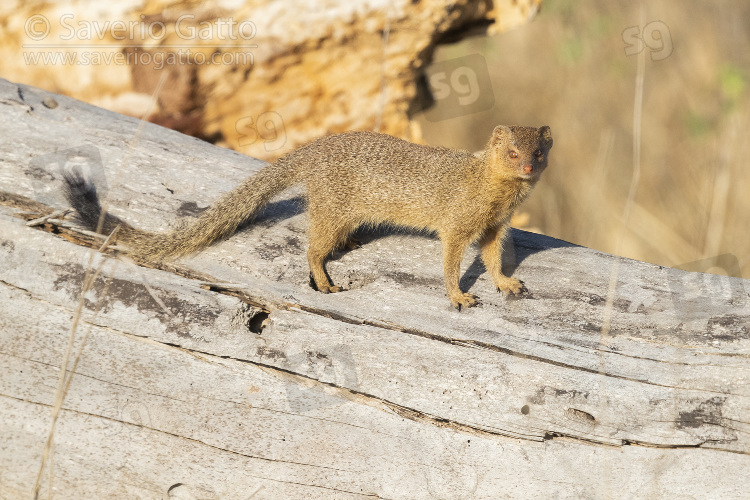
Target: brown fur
{"x":364,"y":178}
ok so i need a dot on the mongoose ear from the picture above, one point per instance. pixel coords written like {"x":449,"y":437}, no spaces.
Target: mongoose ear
{"x":501,"y":133}
{"x":546,"y":134}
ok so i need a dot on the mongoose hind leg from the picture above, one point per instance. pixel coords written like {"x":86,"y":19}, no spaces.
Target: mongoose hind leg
{"x":453,"y":250}
{"x":352,"y":243}
{"x":491,"y":247}
{"x":325,"y":237}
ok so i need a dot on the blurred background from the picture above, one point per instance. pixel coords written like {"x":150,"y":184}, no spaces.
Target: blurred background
{"x":570,"y":69}
{"x":280,"y":73}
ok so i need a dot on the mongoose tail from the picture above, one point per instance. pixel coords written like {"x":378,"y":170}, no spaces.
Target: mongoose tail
{"x":220,"y":220}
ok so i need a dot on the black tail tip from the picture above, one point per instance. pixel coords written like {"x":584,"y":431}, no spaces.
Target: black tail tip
{"x":75,"y":181}
{"x":77,"y":187}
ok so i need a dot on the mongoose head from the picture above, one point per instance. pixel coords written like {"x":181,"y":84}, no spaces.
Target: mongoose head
{"x":520,"y":152}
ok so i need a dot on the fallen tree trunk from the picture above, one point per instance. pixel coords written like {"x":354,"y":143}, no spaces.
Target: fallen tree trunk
{"x":225,"y":375}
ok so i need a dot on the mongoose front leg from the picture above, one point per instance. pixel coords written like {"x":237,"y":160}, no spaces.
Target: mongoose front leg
{"x":491,"y":247}
{"x":453,"y":250}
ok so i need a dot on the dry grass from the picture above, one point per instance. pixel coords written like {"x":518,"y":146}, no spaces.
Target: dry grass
{"x":568,"y":69}
{"x":67,"y":371}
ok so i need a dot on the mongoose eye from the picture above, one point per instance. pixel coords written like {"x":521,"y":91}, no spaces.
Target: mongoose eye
{"x":538,"y":153}
{"x":513,"y":154}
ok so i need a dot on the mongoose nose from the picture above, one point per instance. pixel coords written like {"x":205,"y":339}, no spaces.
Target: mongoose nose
{"x":527,"y":169}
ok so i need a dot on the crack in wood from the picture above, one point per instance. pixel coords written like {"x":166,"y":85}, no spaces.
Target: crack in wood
{"x":11,"y":285}
{"x":419,"y":416}
{"x":491,"y":347}
{"x":86,"y":238}
{"x":178,"y":436}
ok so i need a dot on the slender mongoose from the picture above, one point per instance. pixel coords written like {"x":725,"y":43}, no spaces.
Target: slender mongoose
{"x":364,"y":178}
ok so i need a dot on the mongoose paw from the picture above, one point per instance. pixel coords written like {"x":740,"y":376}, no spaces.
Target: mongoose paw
{"x":324,"y":288}
{"x":464,"y":300}
{"x":512,"y":286}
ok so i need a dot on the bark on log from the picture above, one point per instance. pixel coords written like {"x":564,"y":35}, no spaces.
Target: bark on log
{"x":226,"y":376}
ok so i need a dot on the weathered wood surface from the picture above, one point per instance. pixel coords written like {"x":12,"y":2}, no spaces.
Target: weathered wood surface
{"x":262,"y":388}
